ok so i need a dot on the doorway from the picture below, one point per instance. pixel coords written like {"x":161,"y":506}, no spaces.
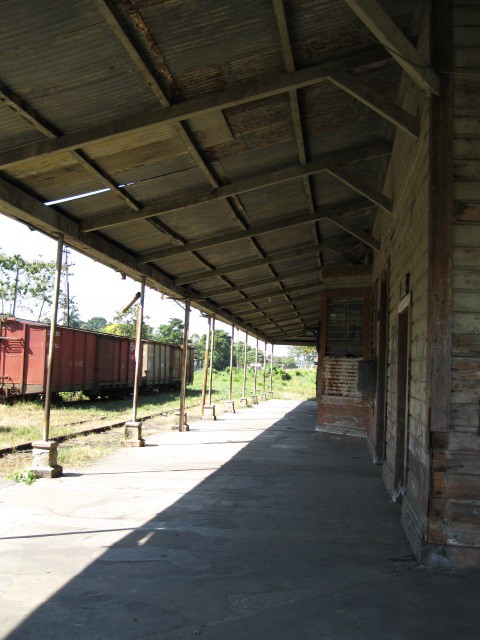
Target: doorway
{"x":402,"y":413}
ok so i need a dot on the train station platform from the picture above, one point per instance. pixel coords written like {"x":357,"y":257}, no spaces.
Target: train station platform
{"x":252,"y":527}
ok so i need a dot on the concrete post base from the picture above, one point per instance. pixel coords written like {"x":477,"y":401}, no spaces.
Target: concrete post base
{"x":229,"y":406}
{"x":175,"y":423}
{"x":133,"y":435}
{"x":243,"y":402}
{"x":270,"y":395}
{"x":209,"y":412}
{"x":263,"y":396}
{"x":44,"y":459}
{"x":255,"y":399}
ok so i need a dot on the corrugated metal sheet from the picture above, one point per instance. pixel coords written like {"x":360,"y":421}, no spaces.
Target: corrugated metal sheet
{"x":70,"y":68}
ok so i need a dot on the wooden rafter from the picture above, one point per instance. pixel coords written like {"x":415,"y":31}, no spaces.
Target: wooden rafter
{"x":108,"y":11}
{"x":181,"y":201}
{"x":379,"y":23}
{"x":196,"y":276}
{"x":362,"y":188}
{"x":289,"y":64}
{"x":332,"y":213}
{"x":268,"y":296}
{"x":186,"y":110}
{"x":376,"y":102}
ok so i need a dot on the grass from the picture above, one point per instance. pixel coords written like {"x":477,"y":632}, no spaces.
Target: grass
{"x":22,"y":421}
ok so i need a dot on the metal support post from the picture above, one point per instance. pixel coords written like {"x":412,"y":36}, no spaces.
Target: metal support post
{"x":254,"y":397}
{"x":270,"y":393}
{"x":44,"y":452}
{"x":230,"y":404}
{"x":264,"y":393}
{"x":209,"y":409}
{"x":133,"y":428}
{"x":182,"y":419}
{"x":243,"y":399}
{"x":205,"y":364}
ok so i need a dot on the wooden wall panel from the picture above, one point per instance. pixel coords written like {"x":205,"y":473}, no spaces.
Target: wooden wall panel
{"x":404,"y":238}
{"x":455,"y":503}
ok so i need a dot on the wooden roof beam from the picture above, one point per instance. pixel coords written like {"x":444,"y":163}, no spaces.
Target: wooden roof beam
{"x":330,"y":212}
{"x":196,"y":276}
{"x":364,"y":237}
{"x":178,"y":202}
{"x":362,"y":188}
{"x":376,"y":102}
{"x":274,"y":294}
{"x":257,"y":283}
{"x":396,"y":44}
{"x":279,"y":306}
{"x":153,"y":118}
{"x":336,"y":271}
{"x":289,"y":63}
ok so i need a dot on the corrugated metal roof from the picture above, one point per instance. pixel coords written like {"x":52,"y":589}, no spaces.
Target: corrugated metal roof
{"x":83,"y":66}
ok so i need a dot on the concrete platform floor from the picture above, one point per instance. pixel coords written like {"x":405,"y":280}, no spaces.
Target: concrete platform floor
{"x":248,"y":528}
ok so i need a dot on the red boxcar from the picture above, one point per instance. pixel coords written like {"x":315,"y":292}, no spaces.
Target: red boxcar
{"x":95,"y":363}
{"x":84,"y":360}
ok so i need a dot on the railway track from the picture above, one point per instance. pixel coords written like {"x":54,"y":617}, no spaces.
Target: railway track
{"x":26,"y":446}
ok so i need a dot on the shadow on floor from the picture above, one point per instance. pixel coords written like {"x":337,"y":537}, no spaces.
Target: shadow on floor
{"x":293,"y":538}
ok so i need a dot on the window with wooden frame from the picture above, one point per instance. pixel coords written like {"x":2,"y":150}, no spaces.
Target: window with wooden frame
{"x":345,"y":327}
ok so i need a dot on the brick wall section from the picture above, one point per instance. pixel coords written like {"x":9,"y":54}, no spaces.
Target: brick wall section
{"x":454,"y":521}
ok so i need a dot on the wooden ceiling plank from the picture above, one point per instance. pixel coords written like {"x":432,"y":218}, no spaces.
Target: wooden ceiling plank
{"x":24,"y":110}
{"x":337,"y":271}
{"x":272,"y":294}
{"x":364,"y":189}
{"x":385,"y":108}
{"x":196,"y":276}
{"x":289,"y":64}
{"x":231,"y":97}
{"x":268,"y":227}
{"x":257,"y":283}
{"x":180,"y":201}
{"x":379,"y":23}
{"x":279,"y":306}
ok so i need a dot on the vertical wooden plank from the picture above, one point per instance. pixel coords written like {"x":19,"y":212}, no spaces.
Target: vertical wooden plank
{"x":439,"y":345}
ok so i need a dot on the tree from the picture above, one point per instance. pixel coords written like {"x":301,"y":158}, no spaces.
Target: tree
{"x":304,"y":356}
{"x":171,"y":332}
{"x":221,"y":349}
{"x":26,"y":285}
{"x":239,"y":354}
{"x":125,"y":324}
{"x":96,"y":323}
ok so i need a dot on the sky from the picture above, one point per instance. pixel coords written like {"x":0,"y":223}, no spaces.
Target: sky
{"x":99,"y":290}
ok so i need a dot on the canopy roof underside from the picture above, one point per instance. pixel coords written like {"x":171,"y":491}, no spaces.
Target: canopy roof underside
{"x":239,"y":145}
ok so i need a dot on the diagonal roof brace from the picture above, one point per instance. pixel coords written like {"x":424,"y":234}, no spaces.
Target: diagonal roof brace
{"x":379,"y":23}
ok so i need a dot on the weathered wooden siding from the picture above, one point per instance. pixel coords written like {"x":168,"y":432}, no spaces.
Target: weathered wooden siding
{"x":454,"y":521}
{"x":404,"y":239}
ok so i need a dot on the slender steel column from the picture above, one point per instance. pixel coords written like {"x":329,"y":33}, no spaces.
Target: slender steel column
{"x":255,"y":373}
{"x":138,"y":351}
{"x":211,"y":364}
{"x":271,"y":371}
{"x":245,"y":367}
{"x":264,"y":371}
{"x":205,"y":364}
{"x":183,"y":385}
{"x":230,"y":381}
{"x":51,"y":346}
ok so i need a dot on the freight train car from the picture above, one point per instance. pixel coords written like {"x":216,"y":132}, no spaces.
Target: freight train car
{"x":162,"y":364}
{"x":98,"y":364}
